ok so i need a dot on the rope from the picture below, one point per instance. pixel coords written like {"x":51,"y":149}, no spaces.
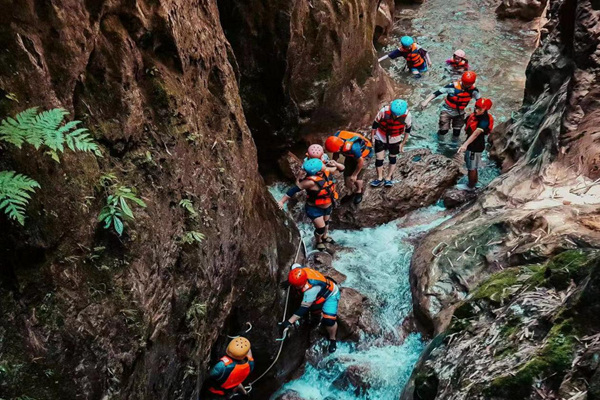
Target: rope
{"x":282,"y":339}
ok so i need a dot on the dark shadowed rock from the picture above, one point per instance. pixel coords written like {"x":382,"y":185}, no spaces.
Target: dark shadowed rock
{"x":291,"y":166}
{"x":523,"y":9}
{"x":455,"y":197}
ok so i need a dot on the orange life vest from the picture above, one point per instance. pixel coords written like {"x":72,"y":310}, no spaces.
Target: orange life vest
{"x":459,"y":64}
{"x":238,"y":375}
{"x":391,"y":126}
{"x":413,"y":57}
{"x":349,"y":139}
{"x":326,"y":193}
{"x":461,"y":96}
{"x":472,"y":123}
{"x":315,"y":278}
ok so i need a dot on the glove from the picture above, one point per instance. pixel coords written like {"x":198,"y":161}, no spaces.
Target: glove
{"x":284,"y":285}
{"x":283,"y":326}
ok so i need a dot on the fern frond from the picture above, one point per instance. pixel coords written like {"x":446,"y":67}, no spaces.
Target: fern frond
{"x":15,"y":192}
{"x":15,"y":131}
{"x":81,"y":140}
{"x":45,"y":129}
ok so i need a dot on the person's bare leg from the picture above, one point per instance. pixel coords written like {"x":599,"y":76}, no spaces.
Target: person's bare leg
{"x":332,"y":331}
{"x":359,"y":185}
{"x":473,"y":178}
{"x":380,"y":156}
{"x":325,"y":219}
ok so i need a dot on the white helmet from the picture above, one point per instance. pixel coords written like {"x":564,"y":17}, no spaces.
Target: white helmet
{"x":296,"y":265}
{"x":460,"y":53}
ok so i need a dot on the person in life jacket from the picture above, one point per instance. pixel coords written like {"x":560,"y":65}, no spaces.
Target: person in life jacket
{"x":458,"y":64}
{"x":356,"y":149}
{"x":228,"y":375}
{"x":321,"y":296}
{"x":320,"y":196}
{"x":479,"y":124}
{"x":417,"y":58}
{"x":458,"y":96}
{"x":390,"y":132}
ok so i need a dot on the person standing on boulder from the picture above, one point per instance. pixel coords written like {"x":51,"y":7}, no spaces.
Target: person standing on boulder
{"x":321,"y":296}
{"x":390,"y":132}
{"x":479,"y":124}
{"x":458,"y":96}
{"x":320,"y":195}
{"x":227,"y":376}
{"x":355,"y":148}
{"x":417,"y":58}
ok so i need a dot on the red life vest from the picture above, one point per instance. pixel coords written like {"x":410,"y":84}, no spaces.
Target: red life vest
{"x":349,"y":139}
{"x":392,"y":127}
{"x":413,"y":57}
{"x":472,"y":123}
{"x":238,"y":375}
{"x":326,"y":193}
{"x":315,"y":278}
{"x":461,"y":97}
{"x":459,"y":64}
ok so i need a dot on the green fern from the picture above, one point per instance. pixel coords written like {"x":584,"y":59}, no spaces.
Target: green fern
{"x":188,"y":206}
{"x":117,"y":209}
{"x":46,"y":128}
{"x":192,"y":237}
{"x":15,"y":192}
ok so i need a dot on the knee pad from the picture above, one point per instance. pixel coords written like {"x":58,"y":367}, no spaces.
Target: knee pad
{"x":442,"y":132}
{"x":379,"y":163}
{"x":320,"y":231}
{"x":328,"y":321}
{"x":393,"y":160}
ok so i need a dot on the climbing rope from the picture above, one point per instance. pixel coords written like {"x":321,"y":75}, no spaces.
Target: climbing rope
{"x":281,"y":339}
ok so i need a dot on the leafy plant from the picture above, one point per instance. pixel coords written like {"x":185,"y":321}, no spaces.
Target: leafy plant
{"x":188,"y":206}
{"x":192,"y":237}
{"x":195,"y":314}
{"x":117,"y":208}
{"x":37,"y":129}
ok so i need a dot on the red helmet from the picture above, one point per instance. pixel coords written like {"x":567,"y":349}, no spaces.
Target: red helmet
{"x":485,"y":104}
{"x":334,"y":144}
{"x":297,"y":277}
{"x":315,"y":151}
{"x":469,"y":78}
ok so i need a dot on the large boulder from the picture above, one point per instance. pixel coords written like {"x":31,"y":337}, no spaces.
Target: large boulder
{"x":355,"y":315}
{"x":421,"y":178}
{"x":355,"y":378}
{"x":523,"y":9}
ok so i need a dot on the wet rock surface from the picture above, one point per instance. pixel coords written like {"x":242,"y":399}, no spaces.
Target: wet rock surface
{"x":355,"y":377}
{"x":455,"y":197}
{"x":523,"y":9}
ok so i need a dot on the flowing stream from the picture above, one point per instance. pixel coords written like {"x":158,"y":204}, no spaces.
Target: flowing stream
{"x":377,"y":260}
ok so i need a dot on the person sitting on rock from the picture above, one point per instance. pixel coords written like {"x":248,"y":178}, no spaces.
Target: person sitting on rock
{"x":321,"y":296}
{"x":320,"y":195}
{"x":459,"y":94}
{"x":479,"y":124}
{"x":390,"y":132}
{"x":355,"y":148}
{"x":458,"y":64}
{"x":316,"y":151}
{"x":417,"y":58}
{"x":227,"y":376}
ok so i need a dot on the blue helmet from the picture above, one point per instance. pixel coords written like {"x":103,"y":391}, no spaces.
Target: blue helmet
{"x":399,"y":107}
{"x":312,"y":166}
{"x":406,"y":41}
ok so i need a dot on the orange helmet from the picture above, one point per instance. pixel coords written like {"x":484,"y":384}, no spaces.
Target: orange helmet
{"x":238,"y":348}
{"x":469,"y":78}
{"x":297,"y":277}
{"x":334,"y":144}
{"x":485,"y":104}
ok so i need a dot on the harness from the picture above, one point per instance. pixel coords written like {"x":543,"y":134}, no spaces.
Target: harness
{"x":392,"y":127}
{"x":349,"y":139}
{"x":326,"y":193}
{"x":413,"y":57}
{"x":461,"y":97}
{"x":315,"y":278}
{"x":238,"y":374}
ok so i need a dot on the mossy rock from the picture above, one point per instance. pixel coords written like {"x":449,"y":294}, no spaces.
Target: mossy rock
{"x":569,"y":265}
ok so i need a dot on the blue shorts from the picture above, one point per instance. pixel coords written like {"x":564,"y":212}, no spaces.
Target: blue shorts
{"x":330,"y":307}
{"x":314,"y":212}
{"x":423,"y":68}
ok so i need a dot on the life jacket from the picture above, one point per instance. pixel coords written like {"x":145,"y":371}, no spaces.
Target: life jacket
{"x":459,"y":64}
{"x":238,"y":374}
{"x":326,"y":193}
{"x":414,"y":59}
{"x":315,"y":278}
{"x":472,"y":123}
{"x":461,"y":97}
{"x":349,"y":139}
{"x":390,"y":126}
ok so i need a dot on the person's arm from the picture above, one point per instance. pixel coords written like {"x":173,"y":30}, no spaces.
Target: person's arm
{"x":470,"y":139}
{"x":395,"y":54}
{"x":292,"y":191}
{"x":334,"y":166}
{"x":217,"y":372}
{"x":407,"y":129}
{"x":432,"y":96}
{"x":335,"y":156}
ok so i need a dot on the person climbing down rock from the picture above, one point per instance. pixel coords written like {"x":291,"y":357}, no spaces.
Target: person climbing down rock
{"x":479,"y":124}
{"x":227,"y":376}
{"x":390,"y":132}
{"x":355,"y":148}
{"x":316,"y":151}
{"x":320,"y":195}
{"x":459,"y":94}
{"x":417,"y":58}
{"x":458,"y":64}
{"x":321,"y":298}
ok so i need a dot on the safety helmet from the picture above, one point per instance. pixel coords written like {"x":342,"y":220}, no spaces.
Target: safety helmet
{"x":485,"y":104}
{"x":460,"y":53}
{"x":406,"y":41}
{"x":334,"y":144}
{"x":297,"y":277}
{"x":238,"y":348}
{"x":315,"y":151}
{"x":398,"y":107}
{"x":469,"y":78}
{"x":296,"y":265}
{"x":312,"y":166}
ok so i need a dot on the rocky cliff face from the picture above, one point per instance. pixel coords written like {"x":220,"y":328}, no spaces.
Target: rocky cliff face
{"x":87,"y":314}
{"x":546,"y":203}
